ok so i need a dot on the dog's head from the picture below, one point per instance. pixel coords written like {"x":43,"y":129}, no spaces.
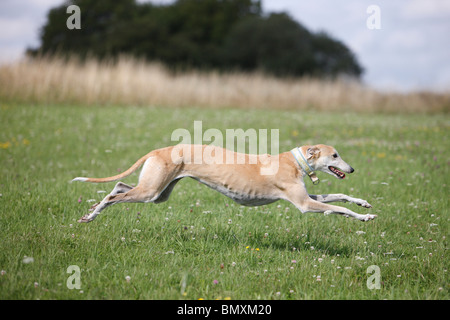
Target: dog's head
{"x":326,"y":159}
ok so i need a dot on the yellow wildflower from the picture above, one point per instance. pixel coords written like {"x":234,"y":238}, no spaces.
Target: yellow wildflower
{"x":5,"y":145}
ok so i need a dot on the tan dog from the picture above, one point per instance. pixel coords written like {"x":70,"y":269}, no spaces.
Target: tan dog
{"x":250,"y":180}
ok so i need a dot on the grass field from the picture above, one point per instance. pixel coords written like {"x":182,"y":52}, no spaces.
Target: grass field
{"x":201,"y":245}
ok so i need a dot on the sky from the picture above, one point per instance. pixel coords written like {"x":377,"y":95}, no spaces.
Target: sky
{"x":404,"y":45}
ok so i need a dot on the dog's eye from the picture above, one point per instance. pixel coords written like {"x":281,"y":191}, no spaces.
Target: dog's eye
{"x":335,"y":155}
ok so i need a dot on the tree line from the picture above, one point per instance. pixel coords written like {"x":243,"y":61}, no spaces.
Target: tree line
{"x":202,"y":34}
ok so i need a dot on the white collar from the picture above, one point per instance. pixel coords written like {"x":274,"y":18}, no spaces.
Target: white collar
{"x":298,"y":155}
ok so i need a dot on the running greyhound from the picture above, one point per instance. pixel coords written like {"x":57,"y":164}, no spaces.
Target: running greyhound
{"x":250,"y":180}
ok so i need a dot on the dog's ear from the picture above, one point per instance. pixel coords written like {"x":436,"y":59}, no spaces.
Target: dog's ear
{"x":312,"y":152}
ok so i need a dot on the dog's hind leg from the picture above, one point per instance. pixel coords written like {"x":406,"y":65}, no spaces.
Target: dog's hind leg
{"x":152,"y":183}
{"x":119,"y":188}
{"x":134,"y":195}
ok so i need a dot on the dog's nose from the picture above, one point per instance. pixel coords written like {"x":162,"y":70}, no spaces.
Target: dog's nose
{"x":351,"y":170}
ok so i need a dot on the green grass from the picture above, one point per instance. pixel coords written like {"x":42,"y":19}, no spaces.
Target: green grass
{"x":175,"y":250}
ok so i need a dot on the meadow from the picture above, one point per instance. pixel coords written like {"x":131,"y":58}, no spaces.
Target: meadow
{"x":200,"y":244}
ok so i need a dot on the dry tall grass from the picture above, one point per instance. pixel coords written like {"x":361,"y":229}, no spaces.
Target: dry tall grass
{"x":129,"y":81}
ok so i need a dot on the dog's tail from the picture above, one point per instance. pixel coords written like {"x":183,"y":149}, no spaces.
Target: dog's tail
{"x":126,"y":173}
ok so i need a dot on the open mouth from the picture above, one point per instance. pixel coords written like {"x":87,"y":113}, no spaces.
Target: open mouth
{"x":337,"y":172}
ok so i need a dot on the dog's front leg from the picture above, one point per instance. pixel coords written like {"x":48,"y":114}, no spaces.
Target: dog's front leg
{"x":316,"y":206}
{"x":298,"y":196}
{"x":339,"y":197}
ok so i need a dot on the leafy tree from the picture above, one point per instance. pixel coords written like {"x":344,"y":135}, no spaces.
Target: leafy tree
{"x":279,"y":45}
{"x":332,"y":57}
{"x":219,"y":34}
{"x":101,"y":21}
{"x":275,"y":44}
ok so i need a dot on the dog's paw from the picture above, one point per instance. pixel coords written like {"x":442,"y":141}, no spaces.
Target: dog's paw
{"x":84,"y":219}
{"x":364,"y":204}
{"x":368,"y":217}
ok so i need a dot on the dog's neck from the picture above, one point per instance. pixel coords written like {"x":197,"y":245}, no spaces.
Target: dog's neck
{"x":303,"y":163}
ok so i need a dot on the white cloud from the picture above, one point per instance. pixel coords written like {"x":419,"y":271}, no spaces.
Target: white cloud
{"x":20,"y":22}
{"x":11,"y":53}
{"x":17,"y":29}
{"x":406,"y":39}
{"x":423,"y":9}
